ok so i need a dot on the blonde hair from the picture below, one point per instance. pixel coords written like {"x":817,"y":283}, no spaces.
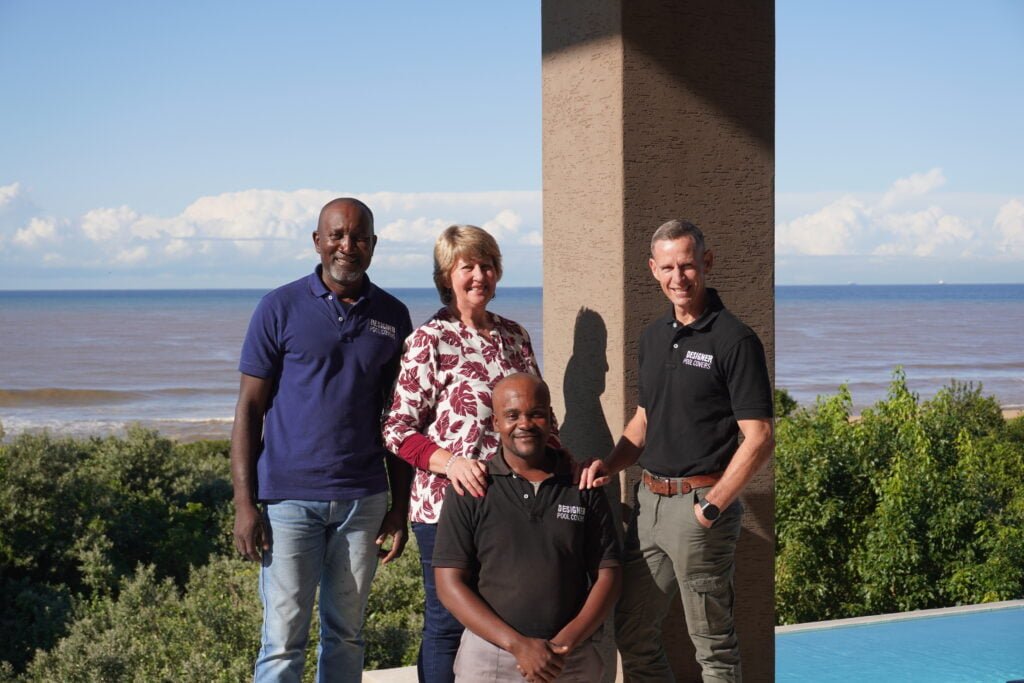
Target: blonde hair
{"x":465,"y":242}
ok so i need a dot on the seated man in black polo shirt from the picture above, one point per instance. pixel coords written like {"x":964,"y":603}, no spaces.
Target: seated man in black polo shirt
{"x":532,"y":568}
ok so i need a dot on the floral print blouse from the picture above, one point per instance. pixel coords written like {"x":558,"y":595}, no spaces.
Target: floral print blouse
{"x":442,"y":398}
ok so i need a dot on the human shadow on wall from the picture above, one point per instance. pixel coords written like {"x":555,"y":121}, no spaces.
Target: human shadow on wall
{"x":585,"y":430}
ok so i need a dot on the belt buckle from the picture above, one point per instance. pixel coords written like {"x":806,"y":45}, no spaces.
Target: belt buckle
{"x":655,"y":484}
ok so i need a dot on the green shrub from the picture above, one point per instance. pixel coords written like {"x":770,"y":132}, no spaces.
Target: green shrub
{"x":150,"y":632}
{"x":76,"y":516}
{"x":153,"y":632}
{"x":914,"y":505}
{"x":117,"y":563}
{"x":784,"y":403}
{"x":394,"y":612}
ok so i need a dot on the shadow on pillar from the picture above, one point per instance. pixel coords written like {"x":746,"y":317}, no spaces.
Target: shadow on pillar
{"x":585,"y":431}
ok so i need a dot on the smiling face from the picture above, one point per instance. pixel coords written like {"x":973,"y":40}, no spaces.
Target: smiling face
{"x":473,"y":282}
{"x":522,"y":416}
{"x":681,"y":270}
{"x":344,"y":239}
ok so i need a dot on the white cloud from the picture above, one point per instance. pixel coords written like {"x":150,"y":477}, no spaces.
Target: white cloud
{"x":402,"y":261}
{"x":154,"y":228}
{"x":420,"y":230}
{"x":257,"y":214}
{"x":922,"y":233}
{"x":132,"y":256}
{"x":101,"y":225}
{"x":177,"y":248}
{"x":831,"y":230}
{"x":913,"y":185}
{"x":248,"y":248}
{"x":1010,"y":224}
{"x":533,"y":239}
{"x":505,"y":225}
{"x":38,"y":229}
{"x":264,"y":234}
{"x":909,"y":220}
{"x":8,"y":193}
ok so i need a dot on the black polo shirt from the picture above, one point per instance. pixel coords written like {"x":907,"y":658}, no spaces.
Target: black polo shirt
{"x":696,"y":381}
{"x":532,"y":555}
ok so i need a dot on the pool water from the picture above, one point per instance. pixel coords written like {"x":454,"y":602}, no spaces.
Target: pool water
{"x":971,"y":646}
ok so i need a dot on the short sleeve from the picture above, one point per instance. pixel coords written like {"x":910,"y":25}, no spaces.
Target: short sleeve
{"x":602,"y":542}
{"x":455,"y":545}
{"x":746,"y":373}
{"x":390,"y":376}
{"x":261,"y":350}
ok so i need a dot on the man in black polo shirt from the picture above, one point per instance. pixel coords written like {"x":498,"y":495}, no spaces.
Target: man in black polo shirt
{"x":703,"y":382}
{"x":532,"y":568}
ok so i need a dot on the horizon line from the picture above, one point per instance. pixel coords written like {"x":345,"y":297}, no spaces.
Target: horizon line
{"x":538,"y":286}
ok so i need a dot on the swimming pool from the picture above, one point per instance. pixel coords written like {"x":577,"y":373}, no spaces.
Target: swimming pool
{"x":974,"y":644}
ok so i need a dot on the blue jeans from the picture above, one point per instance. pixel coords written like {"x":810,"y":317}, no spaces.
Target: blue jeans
{"x":441,"y":631}
{"x":330,"y":544}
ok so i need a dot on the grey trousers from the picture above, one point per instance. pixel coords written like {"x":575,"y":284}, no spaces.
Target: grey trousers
{"x":479,"y":661}
{"x":668,"y":550}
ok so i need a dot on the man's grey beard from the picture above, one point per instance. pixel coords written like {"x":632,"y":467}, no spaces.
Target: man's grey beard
{"x":344,"y":277}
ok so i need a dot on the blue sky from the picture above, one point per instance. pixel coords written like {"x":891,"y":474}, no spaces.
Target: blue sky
{"x":191,"y":144}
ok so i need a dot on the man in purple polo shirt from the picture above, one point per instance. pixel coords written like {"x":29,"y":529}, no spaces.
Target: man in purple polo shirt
{"x":318,"y":362}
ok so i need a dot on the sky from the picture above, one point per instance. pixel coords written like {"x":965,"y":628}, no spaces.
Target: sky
{"x":191,"y":144}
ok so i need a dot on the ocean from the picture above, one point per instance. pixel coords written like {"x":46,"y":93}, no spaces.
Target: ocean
{"x":857,"y":334}
{"x":89,"y":362}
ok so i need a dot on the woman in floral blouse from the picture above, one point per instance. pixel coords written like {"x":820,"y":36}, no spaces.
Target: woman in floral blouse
{"x":440,"y":419}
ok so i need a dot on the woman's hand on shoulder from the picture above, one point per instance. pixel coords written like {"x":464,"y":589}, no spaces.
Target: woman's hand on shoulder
{"x":467,"y":476}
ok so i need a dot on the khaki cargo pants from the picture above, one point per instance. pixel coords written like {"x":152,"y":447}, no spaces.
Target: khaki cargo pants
{"x":667,"y":549}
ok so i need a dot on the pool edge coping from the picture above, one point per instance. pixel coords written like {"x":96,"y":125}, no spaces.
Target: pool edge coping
{"x":898,"y":616}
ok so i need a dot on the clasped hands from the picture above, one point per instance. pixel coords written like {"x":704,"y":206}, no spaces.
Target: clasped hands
{"x":539,"y":660}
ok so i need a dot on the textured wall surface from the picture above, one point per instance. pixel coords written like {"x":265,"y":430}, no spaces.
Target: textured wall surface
{"x":656,"y":110}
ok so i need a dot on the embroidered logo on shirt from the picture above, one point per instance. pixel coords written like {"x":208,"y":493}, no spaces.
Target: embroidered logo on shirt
{"x":698,"y":359}
{"x":383,"y":329}
{"x":572,"y":513}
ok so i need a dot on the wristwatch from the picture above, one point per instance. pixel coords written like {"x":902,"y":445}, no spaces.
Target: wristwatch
{"x":709,"y":510}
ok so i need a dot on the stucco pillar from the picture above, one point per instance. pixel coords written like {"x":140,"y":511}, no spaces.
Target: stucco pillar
{"x":656,"y":110}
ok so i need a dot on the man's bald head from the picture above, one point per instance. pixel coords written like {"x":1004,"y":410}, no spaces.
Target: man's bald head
{"x":346,"y":204}
{"x":522,"y":416}
{"x":521,"y":382}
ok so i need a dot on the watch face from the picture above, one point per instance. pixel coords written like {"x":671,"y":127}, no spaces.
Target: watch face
{"x":710,"y":510}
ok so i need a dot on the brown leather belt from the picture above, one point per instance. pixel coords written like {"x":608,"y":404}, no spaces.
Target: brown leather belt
{"x":673,"y":486}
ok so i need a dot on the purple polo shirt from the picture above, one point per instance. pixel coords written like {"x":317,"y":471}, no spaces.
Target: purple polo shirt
{"x":332,"y":370}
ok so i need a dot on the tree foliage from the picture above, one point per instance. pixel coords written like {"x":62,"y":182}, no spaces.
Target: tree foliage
{"x":910,"y":506}
{"x":116,"y":563}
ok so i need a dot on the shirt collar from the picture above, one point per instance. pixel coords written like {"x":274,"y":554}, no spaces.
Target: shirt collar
{"x":711,"y":311}
{"x":497,"y":466}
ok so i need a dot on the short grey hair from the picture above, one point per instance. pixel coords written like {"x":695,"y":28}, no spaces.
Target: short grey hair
{"x":678,"y":228}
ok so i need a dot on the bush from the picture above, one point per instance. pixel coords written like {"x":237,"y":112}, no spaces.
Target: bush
{"x":117,"y":563}
{"x":76,"y":516}
{"x":153,"y":632}
{"x":915,"y":505}
{"x":150,"y":632}
{"x":394,"y":613}
{"x":784,"y":403}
